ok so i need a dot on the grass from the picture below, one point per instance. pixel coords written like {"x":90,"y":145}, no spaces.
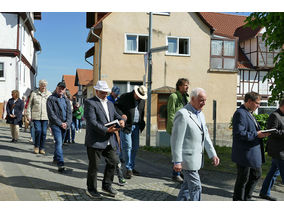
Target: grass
{"x":224,"y":153}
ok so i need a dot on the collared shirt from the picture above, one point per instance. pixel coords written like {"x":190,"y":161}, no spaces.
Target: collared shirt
{"x":197,"y":113}
{"x":104,"y":103}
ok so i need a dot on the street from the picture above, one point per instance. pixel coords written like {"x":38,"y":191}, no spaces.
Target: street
{"x":25,"y":176}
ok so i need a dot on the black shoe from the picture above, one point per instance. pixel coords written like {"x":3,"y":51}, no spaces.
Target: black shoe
{"x":122,"y":182}
{"x":266,"y":197}
{"x":61,"y":168}
{"x":128,"y":174}
{"x":135,"y":172}
{"x":110,"y":191}
{"x":13,"y":140}
{"x":73,"y":141}
{"x":94,"y":194}
{"x":177,"y":178}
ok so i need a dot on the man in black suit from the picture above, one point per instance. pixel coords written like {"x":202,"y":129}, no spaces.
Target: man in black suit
{"x":131,"y":106}
{"x":100,"y":140}
{"x":275,"y":149}
{"x":247,"y":149}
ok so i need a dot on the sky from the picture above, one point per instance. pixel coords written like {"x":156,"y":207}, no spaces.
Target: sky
{"x":62,"y":36}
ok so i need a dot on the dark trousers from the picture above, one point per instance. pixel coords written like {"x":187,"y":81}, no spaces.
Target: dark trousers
{"x":246,"y":181}
{"x":94,"y":156}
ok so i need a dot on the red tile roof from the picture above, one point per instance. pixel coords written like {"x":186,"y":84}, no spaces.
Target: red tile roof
{"x":70,"y":83}
{"x":85,"y":76}
{"x":224,"y":24}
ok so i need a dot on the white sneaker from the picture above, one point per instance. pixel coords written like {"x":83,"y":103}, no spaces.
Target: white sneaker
{"x":80,"y":130}
{"x":76,"y":131}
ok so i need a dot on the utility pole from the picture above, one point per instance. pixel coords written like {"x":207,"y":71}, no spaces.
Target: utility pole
{"x":149,"y":85}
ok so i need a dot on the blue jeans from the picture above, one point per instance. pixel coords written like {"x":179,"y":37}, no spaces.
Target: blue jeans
{"x":130,"y":145}
{"x":70,"y":133}
{"x":78,"y":124}
{"x":59,"y":135}
{"x":40,"y":127}
{"x":276,"y":169}
{"x":191,"y":187}
{"x":32,"y":129}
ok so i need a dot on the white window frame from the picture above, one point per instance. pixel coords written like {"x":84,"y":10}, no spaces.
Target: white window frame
{"x":3,"y":78}
{"x":177,"y":53}
{"x":137,"y":45}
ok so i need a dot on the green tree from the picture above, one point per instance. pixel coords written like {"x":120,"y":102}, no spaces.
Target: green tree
{"x":274,"y":38}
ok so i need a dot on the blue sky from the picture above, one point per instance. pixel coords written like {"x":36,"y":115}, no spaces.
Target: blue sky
{"x":62,"y":37}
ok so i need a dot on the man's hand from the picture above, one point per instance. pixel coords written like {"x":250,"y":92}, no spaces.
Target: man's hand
{"x":64,"y":125}
{"x":177,"y":167}
{"x":122,"y":123}
{"x":112,"y":129}
{"x":215,"y":161}
{"x":12,"y":116}
{"x":124,"y":117}
{"x":262,"y":135}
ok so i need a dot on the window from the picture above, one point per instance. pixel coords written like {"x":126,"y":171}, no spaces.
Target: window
{"x":178,"y":46}
{"x":126,"y":86}
{"x":2,"y":70}
{"x":223,"y":54}
{"x":265,"y":107}
{"x":265,"y":56}
{"x":136,"y":43}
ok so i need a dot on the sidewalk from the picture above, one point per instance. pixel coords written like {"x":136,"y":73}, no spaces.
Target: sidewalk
{"x":30,"y":177}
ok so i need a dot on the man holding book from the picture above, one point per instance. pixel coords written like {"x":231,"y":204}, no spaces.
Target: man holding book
{"x":100,"y":139}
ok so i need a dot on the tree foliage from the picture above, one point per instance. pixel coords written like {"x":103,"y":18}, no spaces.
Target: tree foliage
{"x":274,"y":38}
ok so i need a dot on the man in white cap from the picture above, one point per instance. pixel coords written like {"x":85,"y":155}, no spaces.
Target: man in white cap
{"x":100,"y":140}
{"x":131,"y":106}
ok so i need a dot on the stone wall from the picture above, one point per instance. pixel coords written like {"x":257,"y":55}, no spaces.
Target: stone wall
{"x":223,"y":134}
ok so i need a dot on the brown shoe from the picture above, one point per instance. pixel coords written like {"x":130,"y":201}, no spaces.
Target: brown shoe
{"x":42,"y":152}
{"x":128,"y":174}
{"x":36,"y":150}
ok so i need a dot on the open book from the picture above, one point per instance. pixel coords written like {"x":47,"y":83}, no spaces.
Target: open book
{"x":115,"y":122}
{"x":268,"y":130}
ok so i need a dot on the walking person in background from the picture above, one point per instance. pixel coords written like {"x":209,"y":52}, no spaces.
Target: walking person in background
{"x":247,"y":149}
{"x":275,"y":149}
{"x":176,"y":101}
{"x":113,"y":96}
{"x":14,"y":109}
{"x":131,"y":106}
{"x":37,"y":113}
{"x":100,"y":140}
{"x":78,"y":113}
{"x":189,"y":138}
{"x":70,"y":133}
{"x":60,"y":118}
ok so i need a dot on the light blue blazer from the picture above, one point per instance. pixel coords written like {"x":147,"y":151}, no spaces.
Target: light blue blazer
{"x":188,"y":141}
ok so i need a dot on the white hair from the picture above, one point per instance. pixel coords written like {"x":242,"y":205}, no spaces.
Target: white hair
{"x":195,"y":92}
{"x":42,"y":82}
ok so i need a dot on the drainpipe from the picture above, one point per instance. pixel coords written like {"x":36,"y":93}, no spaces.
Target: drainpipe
{"x":20,"y":56}
{"x":36,"y":70}
{"x":100,"y":49}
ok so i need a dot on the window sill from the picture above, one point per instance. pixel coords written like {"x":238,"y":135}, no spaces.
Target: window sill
{"x":135,"y":53}
{"x":179,"y":55}
{"x":223,"y":70}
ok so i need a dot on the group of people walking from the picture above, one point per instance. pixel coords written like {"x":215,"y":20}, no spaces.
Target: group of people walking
{"x":44,"y":110}
{"x":113,"y":125}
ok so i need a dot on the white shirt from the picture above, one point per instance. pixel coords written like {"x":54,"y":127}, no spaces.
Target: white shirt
{"x":104,"y":103}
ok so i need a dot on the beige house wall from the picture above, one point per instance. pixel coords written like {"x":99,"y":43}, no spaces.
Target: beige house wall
{"x":120,"y":66}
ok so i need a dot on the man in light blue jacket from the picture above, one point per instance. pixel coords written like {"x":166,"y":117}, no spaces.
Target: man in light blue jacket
{"x":189,"y":138}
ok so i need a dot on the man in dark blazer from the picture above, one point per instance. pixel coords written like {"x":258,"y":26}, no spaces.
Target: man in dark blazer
{"x":275,"y":149}
{"x":100,"y":140}
{"x":247,"y":150}
{"x":131,"y":106}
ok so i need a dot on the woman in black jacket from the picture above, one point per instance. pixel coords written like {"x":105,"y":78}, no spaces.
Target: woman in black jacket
{"x":14,"y":110}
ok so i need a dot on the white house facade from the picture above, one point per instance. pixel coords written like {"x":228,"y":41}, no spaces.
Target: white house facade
{"x":18,"y":53}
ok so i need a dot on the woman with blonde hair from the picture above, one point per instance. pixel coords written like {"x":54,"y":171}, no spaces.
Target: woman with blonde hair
{"x":14,"y":110}
{"x":36,"y":111}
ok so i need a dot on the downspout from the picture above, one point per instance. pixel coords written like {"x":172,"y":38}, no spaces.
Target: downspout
{"x":36,"y":70}
{"x":100,"y":49}
{"x":20,"y":55}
